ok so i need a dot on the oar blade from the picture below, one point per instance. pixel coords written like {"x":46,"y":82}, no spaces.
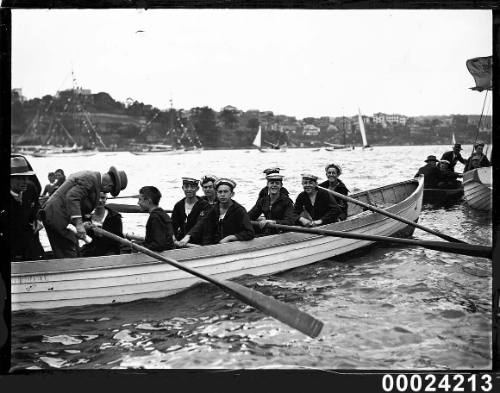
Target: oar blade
{"x":460,"y":248}
{"x":283,"y":312}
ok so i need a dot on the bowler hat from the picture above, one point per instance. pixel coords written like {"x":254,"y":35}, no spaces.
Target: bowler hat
{"x":20,"y":167}
{"x":457,"y":145}
{"x":119,"y":180}
{"x":431,"y":158}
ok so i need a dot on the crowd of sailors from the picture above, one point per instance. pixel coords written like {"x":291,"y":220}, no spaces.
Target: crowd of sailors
{"x":77,"y":205}
{"x":441,"y":173}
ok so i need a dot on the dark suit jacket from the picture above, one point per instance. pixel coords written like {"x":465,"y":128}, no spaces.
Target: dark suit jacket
{"x":182,"y":224}
{"x":159,"y":231}
{"x":325,"y":207}
{"x":453,"y":161}
{"x":432,"y":175}
{"x":211,"y":230}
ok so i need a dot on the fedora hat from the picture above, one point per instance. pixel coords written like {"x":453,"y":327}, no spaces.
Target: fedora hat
{"x":20,"y":167}
{"x":119,"y":180}
{"x":431,"y":158}
{"x":457,"y":146}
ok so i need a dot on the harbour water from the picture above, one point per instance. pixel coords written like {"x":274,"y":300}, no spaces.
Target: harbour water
{"x":389,"y":307}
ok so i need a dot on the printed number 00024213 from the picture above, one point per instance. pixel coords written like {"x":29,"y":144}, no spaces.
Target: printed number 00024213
{"x":437,"y":383}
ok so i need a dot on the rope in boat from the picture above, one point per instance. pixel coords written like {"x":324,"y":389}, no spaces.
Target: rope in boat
{"x":479,"y":123}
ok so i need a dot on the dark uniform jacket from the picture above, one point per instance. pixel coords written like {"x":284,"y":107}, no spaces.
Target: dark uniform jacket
{"x":341,"y":189}
{"x":101,"y":245}
{"x":325,"y":207}
{"x":432,"y":175}
{"x":77,"y":196}
{"x":448,"y":156}
{"x":280,"y":211}
{"x":265,"y":192}
{"x":182,"y":223}
{"x":159,"y":231}
{"x":211,"y":229}
{"x":24,"y":243}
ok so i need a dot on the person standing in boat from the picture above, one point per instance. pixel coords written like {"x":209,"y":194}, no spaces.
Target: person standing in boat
{"x":454,"y":156}
{"x":22,"y":222}
{"x":276,"y":206}
{"x":75,"y":198}
{"x":189,"y":209}
{"x":159,"y":230}
{"x":333,"y":171}
{"x":107,"y":219}
{"x":207,"y":184}
{"x":315,"y":206}
{"x":448,"y":178}
{"x":432,"y":174}
{"x":227,"y":221}
{"x":478,"y":151}
{"x":265,"y":190}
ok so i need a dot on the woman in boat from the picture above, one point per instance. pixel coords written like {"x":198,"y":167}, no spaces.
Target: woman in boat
{"x":189,"y":209}
{"x":478,"y":152}
{"x":315,"y":206}
{"x":75,"y":198}
{"x":276,"y":206}
{"x":333,"y":171}
{"x":265,"y":190}
{"x":207,"y":185}
{"x":227,"y":221}
{"x":109,"y":220}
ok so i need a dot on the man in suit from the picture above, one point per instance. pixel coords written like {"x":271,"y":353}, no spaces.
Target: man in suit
{"x":431,"y":172}
{"x":454,"y":156}
{"x":75,"y":198}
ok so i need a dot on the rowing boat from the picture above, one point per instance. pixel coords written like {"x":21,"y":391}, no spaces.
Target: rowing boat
{"x":443,"y":196}
{"x":127,"y":277}
{"x":477,"y":188}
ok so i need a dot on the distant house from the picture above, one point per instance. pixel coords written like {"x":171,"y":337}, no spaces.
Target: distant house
{"x":384,"y":119}
{"x":311,"y":130}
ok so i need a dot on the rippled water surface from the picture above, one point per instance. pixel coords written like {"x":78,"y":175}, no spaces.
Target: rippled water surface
{"x":396,"y":307}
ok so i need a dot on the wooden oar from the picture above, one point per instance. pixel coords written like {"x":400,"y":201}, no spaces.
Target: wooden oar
{"x":457,"y":248}
{"x":124,"y":197}
{"x":283,"y":312}
{"x":388,"y":214}
{"x":126,"y":208}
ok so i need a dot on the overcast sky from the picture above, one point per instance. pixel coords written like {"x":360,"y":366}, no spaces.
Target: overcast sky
{"x":295,"y":62}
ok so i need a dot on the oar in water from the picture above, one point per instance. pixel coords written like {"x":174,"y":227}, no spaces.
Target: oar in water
{"x":283,"y":312}
{"x":457,"y":248}
{"x":391,"y":215}
{"x":126,"y":208}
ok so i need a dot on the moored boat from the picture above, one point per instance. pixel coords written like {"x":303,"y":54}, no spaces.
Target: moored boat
{"x":127,"y":277}
{"x":443,"y":196}
{"x":478,"y":189}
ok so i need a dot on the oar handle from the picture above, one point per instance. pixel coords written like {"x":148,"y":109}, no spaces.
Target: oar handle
{"x":124,"y":197}
{"x":87,"y":239}
{"x":283,"y":312}
{"x":391,"y":215}
{"x":457,"y":248}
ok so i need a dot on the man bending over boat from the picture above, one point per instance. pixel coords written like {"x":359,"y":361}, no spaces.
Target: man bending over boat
{"x":189,"y":209}
{"x":454,"y":156}
{"x":333,"y":171}
{"x":76,"y":197}
{"x":276,"y":206}
{"x":159,"y":231}
{"x":227,"y":221}
{"x":315,"y":206}
{"x":265,"y":190}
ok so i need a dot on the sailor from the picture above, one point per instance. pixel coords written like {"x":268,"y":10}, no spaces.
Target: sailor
{"x":448,"y":178}
{"x":227,"y":221}
{"x":478,"y":151}
{"x":315,"y":206}
{"x":265,"y":190}
{"x":431,"y":172}
{"x":22,"y":221}
{"x":333,"y":171}
{"x":189,"y":209}
{"x":207,"y":185}
{"x":76,"y":197}
{"x":276,"y":206}
{"x":109,"y":220}
{"x":159,"y":231}
{"x":454,"y":156}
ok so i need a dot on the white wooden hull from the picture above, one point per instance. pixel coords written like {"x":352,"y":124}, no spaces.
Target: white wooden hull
{"x":65,"y":154}
{"x":478,"y":188}
{"x":124,"y":278}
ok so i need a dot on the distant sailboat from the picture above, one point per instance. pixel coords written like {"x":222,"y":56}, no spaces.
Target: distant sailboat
{"x":453,"y":140}
{"x":258,"y":143}
{"x":363,"y":131}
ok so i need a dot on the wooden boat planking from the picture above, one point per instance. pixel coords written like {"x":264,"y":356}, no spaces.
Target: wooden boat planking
{"x":127,"y":277}
{"x":478,"y":188}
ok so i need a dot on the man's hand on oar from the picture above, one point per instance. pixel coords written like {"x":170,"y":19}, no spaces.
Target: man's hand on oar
{"x":283,"y":312}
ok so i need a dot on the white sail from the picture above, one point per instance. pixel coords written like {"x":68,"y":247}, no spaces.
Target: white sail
{"x":453,"y":140}
{"x":257,"y":141}
{"x":362,"y":128}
